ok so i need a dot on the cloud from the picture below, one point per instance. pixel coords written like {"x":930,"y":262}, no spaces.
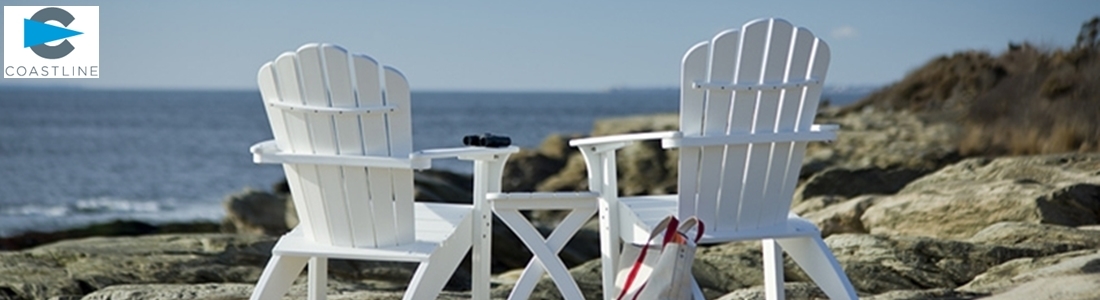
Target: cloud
{"x":845,"y":32}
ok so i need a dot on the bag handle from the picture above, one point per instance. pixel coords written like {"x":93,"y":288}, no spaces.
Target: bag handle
{"x":668,"y":227}
{"x":690,"y":222}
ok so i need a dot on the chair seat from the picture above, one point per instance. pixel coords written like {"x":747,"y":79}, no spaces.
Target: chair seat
{"x":646,"y":211}
{"x":435,"y":222}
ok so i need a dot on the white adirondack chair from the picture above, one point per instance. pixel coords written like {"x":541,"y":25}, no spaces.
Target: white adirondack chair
{"x":747,"y":104}
{"x":343,"y":135}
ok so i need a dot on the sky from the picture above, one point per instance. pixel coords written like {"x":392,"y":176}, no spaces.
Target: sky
{"x":566,"y":45}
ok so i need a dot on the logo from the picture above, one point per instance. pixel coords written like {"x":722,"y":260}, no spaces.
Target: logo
{"x":51,"y":42}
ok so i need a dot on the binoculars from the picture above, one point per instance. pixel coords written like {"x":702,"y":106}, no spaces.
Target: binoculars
{"x":487,"y":140}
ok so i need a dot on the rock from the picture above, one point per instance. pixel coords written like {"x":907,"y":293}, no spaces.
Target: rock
{"x":878,"y":264}
{"x":78,"y":267}
{"x":256,"y":212}
{"x":792,"y":290}
{"x":843,"y":217}
{"x":644,"y":167}
{"x":1002,"y":278}
{"x":1073,"y":287}
{"x":586,"y":275}
{"x":113,"y":228}
{"x":223,"y":291}
{"x":961,"y":199}
{"x":1043,"y":237}
{"x":883,"y":139}
{"x":527,"y":168}
{"x":844,"y":182}
{"x":337,"y":290}
{"x":443,"y":186}
{"x":572,"y":178}
{"x":936,"y":294}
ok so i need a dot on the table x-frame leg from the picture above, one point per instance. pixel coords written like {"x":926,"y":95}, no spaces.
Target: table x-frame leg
{"x":581,"y":206}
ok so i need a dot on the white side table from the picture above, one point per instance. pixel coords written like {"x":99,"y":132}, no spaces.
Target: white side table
{"x":581,"y":206}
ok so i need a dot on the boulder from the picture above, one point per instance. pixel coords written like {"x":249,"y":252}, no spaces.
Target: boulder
{"x":1012,"y":277}
{"x":1068,"y":287}
{"x":221,"y":291}
{"x":1043,"y":237}
{"x":337,"y":290}
{"x":792,"y":291}
{"x":937,"y":294}
{"x":878,"y":264}
{"x":256,"y":212}
{"x":842,"y":217}
{"x":644,"y":167}
{"x":78,"y":267}
{"x":845,"y":182}
{"x":959,"y":200}
{"x":527,"y":168}
{"x":877,"y":138}
{"x":586,"y":275}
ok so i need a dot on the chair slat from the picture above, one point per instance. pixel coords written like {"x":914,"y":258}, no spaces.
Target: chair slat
{"x":782,"y":167}
{"x":691,"y":104}
{"x":269,"y":90}
{"x":819,"y":67}
{"x":754,"y":38}
{"x":400,"y":122}
{"x":723,"y":60}
{"x":368,"y":92}
{"x":306,"y":181}
{"x":333,"y":200}
{"x":758,"y":171}
{"x":400,"y":125}
{"x":349,"y":141}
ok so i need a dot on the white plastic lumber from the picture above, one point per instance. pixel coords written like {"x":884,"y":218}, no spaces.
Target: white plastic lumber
{"x":277,"y":277}
{"x":773,"y":270}
{"x":691,"y":105}
{"x":462,"y":152}
{"x":817,"y":260}
{"x":377,"y":111}
{"x":541,"y":251}
{"x":297,"y":125}
{"x":400,"y":122}
{"x":438,"y":221}
{"x":525,"y":201}
{"x":268,"y":153}
{"x":755,"y":87}
{"x":724,"y":109}
{"x":816,"y":133}
{"x":633,"y":137}
{"x":556,"y":241}
{"x":760,"y":160}
{"x":318,"y":278}
{"x":791,"y":105}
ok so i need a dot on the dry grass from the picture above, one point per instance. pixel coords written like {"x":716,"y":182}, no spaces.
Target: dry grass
{"x":1027,"y":100}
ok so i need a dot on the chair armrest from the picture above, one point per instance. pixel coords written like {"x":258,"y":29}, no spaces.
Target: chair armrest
{"x":267,"y":152}
{"x":464,"y":153}
{"x":611,"y":142}
{"x":815,"y":133}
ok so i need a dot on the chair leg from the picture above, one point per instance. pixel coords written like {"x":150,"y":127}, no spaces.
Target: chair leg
{"x":318,"y":278}
{"x":277,"y":277}
{"x":431,"y":275}
{"x":818,"y":261}
{"x":773,"y":270}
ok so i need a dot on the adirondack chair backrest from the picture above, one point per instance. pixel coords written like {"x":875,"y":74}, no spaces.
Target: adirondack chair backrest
{"x":763,"y":79}
{"x":321,"y":100}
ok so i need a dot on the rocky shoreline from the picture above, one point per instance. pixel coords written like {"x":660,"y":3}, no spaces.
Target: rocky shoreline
{"x":906,"y":215}
{"x":932,"y":190}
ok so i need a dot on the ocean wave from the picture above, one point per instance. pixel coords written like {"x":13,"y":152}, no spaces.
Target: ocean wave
{"x":46,"y":218}
{"x":88,"y":206}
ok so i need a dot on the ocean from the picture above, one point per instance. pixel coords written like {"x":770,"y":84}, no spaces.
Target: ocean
{"x":74,"y":157}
